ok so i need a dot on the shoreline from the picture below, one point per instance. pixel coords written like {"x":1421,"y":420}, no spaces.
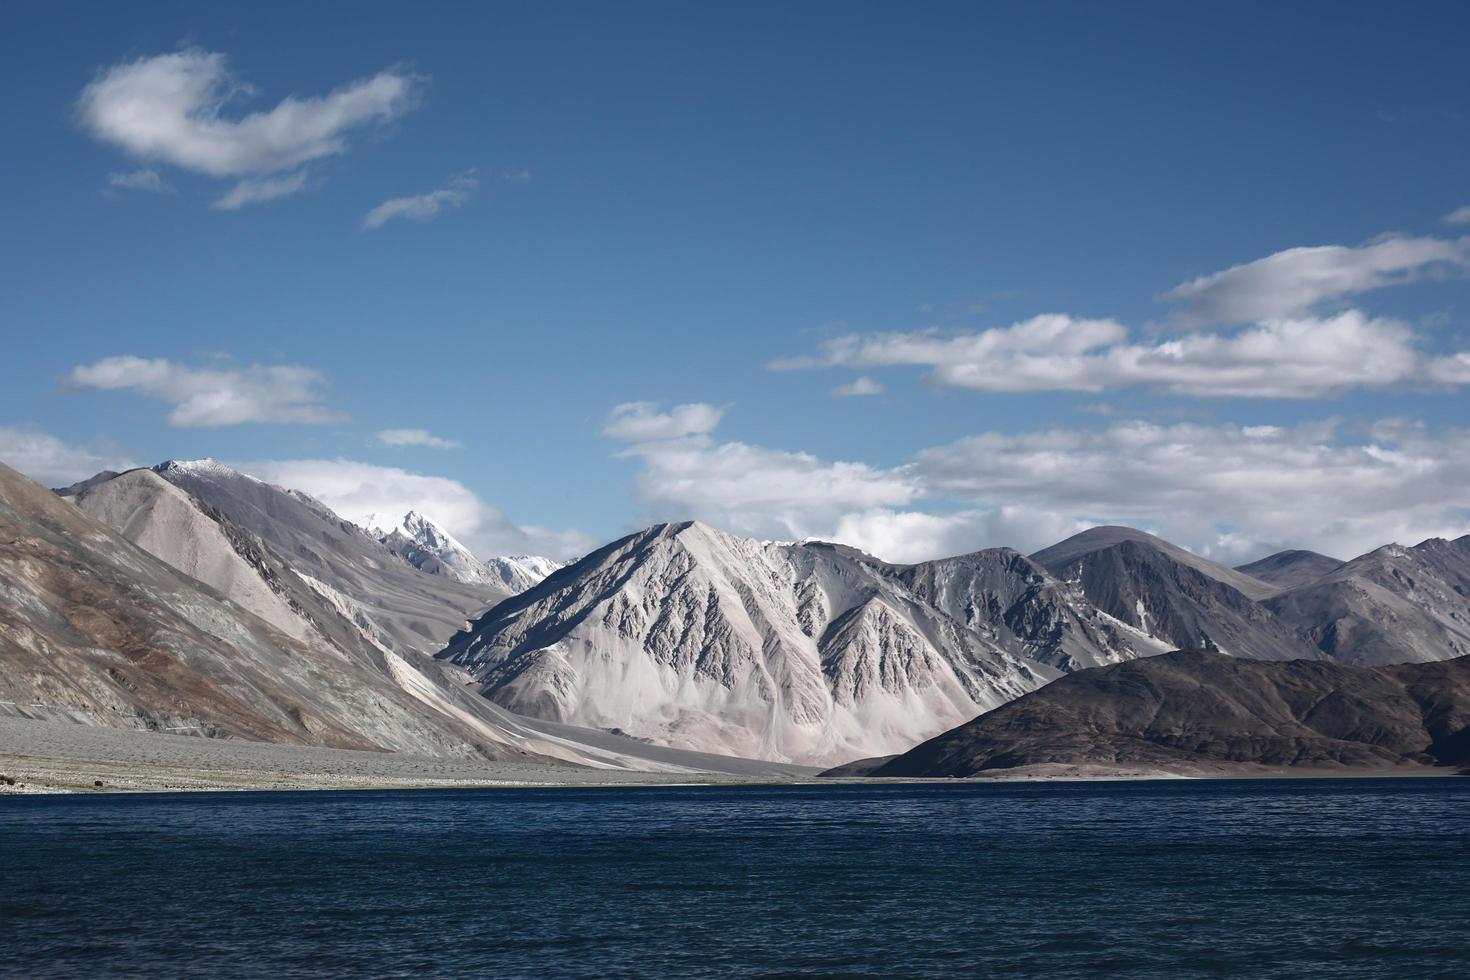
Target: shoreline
{"x":52,"y":758}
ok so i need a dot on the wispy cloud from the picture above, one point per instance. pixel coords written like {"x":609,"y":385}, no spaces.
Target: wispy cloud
{"x":1295,"y":280}
{"x":455,"y":193}
{"x":1459,"y":216}
{"x":216,"y":396}
{"x":643,"y":421}
{"x":148,"y":180}
{"x":858,"y":387}
{"x":170,"y":109}
{"x":258,"y":190}
{"x":414,"y":437}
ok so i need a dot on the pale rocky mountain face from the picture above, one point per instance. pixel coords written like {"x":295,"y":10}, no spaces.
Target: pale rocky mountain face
{"x":401,"y":607}
{"x":691,"y":637}
{"x":96,"y":630}
{"x":429,"y":548}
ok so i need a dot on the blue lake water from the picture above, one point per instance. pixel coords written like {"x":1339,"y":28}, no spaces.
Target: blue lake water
{"x":1291,"y":878}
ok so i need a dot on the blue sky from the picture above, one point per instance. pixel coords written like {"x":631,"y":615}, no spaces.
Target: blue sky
{"x":610,"y":204}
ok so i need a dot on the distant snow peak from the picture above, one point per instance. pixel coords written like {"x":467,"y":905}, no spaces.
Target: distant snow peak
{"x":424,"y":544}
{"x":204,"y":466}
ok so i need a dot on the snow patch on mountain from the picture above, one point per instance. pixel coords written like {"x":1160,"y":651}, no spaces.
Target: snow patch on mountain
{"x":429,"y":548}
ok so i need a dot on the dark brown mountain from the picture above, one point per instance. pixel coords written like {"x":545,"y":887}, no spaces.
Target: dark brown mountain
{"x":1194,"y":710}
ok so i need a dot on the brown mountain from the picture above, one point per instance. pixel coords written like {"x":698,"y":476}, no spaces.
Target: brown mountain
{"x":1188,"y":711}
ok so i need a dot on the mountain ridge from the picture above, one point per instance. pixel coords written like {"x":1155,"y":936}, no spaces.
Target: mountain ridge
{"x":1187,"y":711}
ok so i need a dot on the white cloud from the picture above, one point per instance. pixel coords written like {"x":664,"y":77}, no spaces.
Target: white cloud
{"x":141,"y":180}
{"x":170,"y":109}
{"x":858,"y":387}
{"x":455,"y":193}
{"x":1281,"y":358}
{"x":414,"y":437}
{"x":1290,"y":282}
{"x":765,"y":493}
{"x":1236,"y":492}
{"x":216,"y":396}
{"x":642,"y":421}
{"x":47,"y":459}
{"x":1054,"y":333}
{"x":354,"y":490}
{"x":1459,"y":216}
{"x":1232,"y":492}
{"x":259,"y":190}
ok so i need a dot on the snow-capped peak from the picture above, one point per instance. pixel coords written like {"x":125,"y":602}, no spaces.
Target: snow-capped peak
{"x":204,"y":467}
{"x":427,"y":546}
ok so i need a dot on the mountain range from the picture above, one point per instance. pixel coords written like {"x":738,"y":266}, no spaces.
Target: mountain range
{"x":136,"y":601}
{"x":818,"y":653}
{"x":673,"y":640}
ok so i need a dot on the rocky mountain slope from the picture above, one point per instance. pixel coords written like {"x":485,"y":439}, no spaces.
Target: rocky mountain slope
{"x":691,"y":637}
{"x":1289,"y":569}
{"x":1178,"y":597}
{"x":97,"y":630}
{"x":1392,"y":605}
{"x":1187,"y":711}
{"x":403,"y":608}
{"x":1026,"y":610}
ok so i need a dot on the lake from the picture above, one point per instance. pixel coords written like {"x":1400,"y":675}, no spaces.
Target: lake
{"x":1290,"y":878}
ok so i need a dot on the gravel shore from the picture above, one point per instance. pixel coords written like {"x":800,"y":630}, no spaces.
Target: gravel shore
{"x":58,"y":757}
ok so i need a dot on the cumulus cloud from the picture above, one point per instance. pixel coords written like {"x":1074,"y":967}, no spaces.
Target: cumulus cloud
{"x":141,"y":180}
{"x":172,"y":109}
{"x":1459,"y":216}
{"x":1233,"y":492}
{"x":49,"y":460}
{"x":414,"y":437}
{"x":355,"y":490}
{"x":642,"y":421}
{"x":215,"y":396}
{"x":455,"y":193}
{"x":858,"y":387}
{"x":1281,"y":358}
{"x":768,"y":493}
{"x":1293,"y":281}
{"x":1228,"y":491}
